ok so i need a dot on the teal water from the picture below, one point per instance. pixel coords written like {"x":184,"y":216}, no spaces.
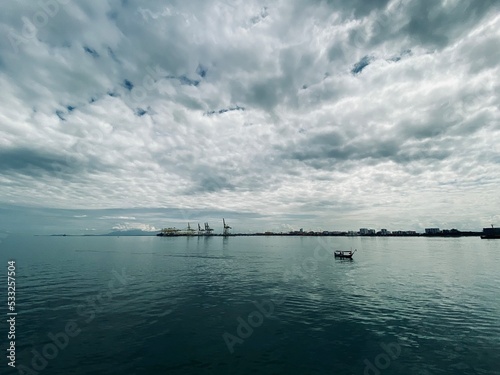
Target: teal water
{"x":243,"y":305}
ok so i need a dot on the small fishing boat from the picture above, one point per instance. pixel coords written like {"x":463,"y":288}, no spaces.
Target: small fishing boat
{"x":346,"y":254}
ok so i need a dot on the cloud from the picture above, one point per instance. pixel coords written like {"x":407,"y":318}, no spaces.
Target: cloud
{"x":36,"y":162}
{"x":361,"y":107}
{"x":361,"y":64}
{"x":117,"y":217}
{"x":129,"y":226}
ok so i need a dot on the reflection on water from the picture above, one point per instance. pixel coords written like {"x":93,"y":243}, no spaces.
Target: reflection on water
{"x":434,"y":299}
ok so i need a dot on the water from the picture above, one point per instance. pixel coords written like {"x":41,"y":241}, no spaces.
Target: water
{"x":148,"y":305}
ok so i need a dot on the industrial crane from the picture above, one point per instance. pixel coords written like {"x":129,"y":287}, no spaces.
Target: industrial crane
{"x":208,"y":230}
{"x":226,"y":227}
{"x":190,"y":231}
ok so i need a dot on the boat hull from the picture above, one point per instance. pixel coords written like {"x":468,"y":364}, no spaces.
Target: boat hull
{"x":343,"y":254}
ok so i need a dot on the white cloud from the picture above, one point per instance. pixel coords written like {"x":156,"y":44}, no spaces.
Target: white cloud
{"x":129,"y":226}
{"x":117,"y":217}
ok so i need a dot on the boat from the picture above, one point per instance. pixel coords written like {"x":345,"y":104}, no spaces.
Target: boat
{"x":491,"y":233}
{"x":344,"y":254}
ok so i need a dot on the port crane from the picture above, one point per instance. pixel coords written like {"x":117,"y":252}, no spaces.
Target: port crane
{"x":226,"y":227}
{"x":190,"y":231}
{"x":208,"y":230}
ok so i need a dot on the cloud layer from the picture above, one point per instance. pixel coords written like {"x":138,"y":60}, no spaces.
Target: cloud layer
{"x":315,"y":114}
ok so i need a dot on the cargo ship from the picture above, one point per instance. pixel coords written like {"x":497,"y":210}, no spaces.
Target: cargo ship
{"x":491,"y":233}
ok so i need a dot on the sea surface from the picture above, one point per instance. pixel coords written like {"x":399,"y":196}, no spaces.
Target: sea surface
{"x":253,"y":305}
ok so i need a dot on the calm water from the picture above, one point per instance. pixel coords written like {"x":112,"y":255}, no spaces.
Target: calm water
{"x":263,"y":305}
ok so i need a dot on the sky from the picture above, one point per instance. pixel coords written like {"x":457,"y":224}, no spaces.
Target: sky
{"x":322,"y":115}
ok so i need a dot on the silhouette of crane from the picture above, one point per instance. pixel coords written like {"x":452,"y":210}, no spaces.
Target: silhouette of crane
{"x":226,"y":228}
{"x":208,"y":230}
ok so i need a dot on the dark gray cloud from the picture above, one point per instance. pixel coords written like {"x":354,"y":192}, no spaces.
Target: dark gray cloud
{"x":37,"y":162}
{"x":437,"y":23}
{"x":209,"y":181}
{"x":357,"y":8}
{"x":320,"y":153}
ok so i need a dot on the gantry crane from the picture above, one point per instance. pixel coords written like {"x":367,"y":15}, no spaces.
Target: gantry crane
{"x":208,"y":230}
{"x":226,"y":228}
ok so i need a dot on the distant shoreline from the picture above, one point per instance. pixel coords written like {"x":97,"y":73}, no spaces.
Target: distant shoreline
{"x":463,"y":234}
{"x":315,"y":234}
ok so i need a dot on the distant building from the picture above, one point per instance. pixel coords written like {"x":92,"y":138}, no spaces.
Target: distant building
{"x":367,"y":232}
{"x":491,"y":232}
{"x":432,"y":231}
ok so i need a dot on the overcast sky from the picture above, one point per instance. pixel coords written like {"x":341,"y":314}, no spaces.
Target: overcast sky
{"x":277,"y":115}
